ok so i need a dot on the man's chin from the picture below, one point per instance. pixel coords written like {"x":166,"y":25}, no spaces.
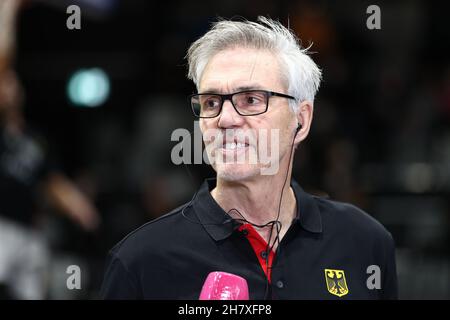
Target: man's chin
{"x":232,"y":172}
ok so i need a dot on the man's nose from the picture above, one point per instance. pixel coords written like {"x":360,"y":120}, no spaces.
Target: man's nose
{"x":228,"y":116}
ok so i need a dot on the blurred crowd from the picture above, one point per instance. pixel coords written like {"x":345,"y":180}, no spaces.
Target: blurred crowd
{"x":74,"y":180}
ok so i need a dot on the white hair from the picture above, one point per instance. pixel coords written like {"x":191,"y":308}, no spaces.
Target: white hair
{"x":298,"y":71}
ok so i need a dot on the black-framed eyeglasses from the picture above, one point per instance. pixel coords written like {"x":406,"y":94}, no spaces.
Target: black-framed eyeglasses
{"x":246,"y":103}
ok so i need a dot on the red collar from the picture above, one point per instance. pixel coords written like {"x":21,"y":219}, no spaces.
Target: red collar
{"x":259,"y":246}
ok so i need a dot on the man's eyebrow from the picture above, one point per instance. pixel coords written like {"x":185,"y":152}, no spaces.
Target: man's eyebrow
{"x":237,"y":89}
{"x":251,"y":87}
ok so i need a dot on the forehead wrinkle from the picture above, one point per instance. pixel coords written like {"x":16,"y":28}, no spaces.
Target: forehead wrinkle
{"x":254,"y":66}
{"x":230,"y":88}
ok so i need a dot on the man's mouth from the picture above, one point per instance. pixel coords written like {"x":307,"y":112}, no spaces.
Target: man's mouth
{"x":234,"y":145}
{"x":231,"y":143}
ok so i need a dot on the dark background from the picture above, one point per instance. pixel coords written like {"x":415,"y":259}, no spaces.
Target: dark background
{"x":380,"y":137}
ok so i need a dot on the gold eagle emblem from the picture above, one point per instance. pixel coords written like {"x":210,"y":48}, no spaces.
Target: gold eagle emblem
{"x":336,"y":283}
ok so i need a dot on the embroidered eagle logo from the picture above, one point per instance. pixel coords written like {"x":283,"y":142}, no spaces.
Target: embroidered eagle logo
{"x":336,"y":283}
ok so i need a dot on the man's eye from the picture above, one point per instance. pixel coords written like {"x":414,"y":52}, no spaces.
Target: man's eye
{"x":211,"y":103}
{"x":253,"y":100}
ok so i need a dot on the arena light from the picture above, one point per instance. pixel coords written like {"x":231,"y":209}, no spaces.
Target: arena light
{"x":88,"y":87}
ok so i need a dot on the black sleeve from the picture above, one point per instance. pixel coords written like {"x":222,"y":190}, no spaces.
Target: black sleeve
{"x":118,"y":283}
{"x":389,"y":285}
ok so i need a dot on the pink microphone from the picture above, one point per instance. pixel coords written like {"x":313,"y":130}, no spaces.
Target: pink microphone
{"x":224,"y":286}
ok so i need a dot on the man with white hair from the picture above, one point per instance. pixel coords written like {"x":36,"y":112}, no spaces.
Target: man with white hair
{"x":255,"y":77}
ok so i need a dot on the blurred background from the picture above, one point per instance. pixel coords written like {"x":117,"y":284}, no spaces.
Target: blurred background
{"x":86,"y":118}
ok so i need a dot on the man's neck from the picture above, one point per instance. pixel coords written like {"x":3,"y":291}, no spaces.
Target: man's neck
{"x":258,"y":201}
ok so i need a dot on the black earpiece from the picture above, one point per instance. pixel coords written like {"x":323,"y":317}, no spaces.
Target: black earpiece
{"x":299,"y":127}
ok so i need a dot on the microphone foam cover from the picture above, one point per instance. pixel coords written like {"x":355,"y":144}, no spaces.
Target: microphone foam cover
{"x":224,"y":286}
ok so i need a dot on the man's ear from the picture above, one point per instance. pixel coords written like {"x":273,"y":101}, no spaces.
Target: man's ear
{"x":304,"y":118}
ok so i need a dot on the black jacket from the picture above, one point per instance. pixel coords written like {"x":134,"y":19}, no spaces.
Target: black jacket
{"x":330,"y":252}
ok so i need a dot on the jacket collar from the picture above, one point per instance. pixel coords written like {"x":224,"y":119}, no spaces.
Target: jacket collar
{"x":219,"y":225}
